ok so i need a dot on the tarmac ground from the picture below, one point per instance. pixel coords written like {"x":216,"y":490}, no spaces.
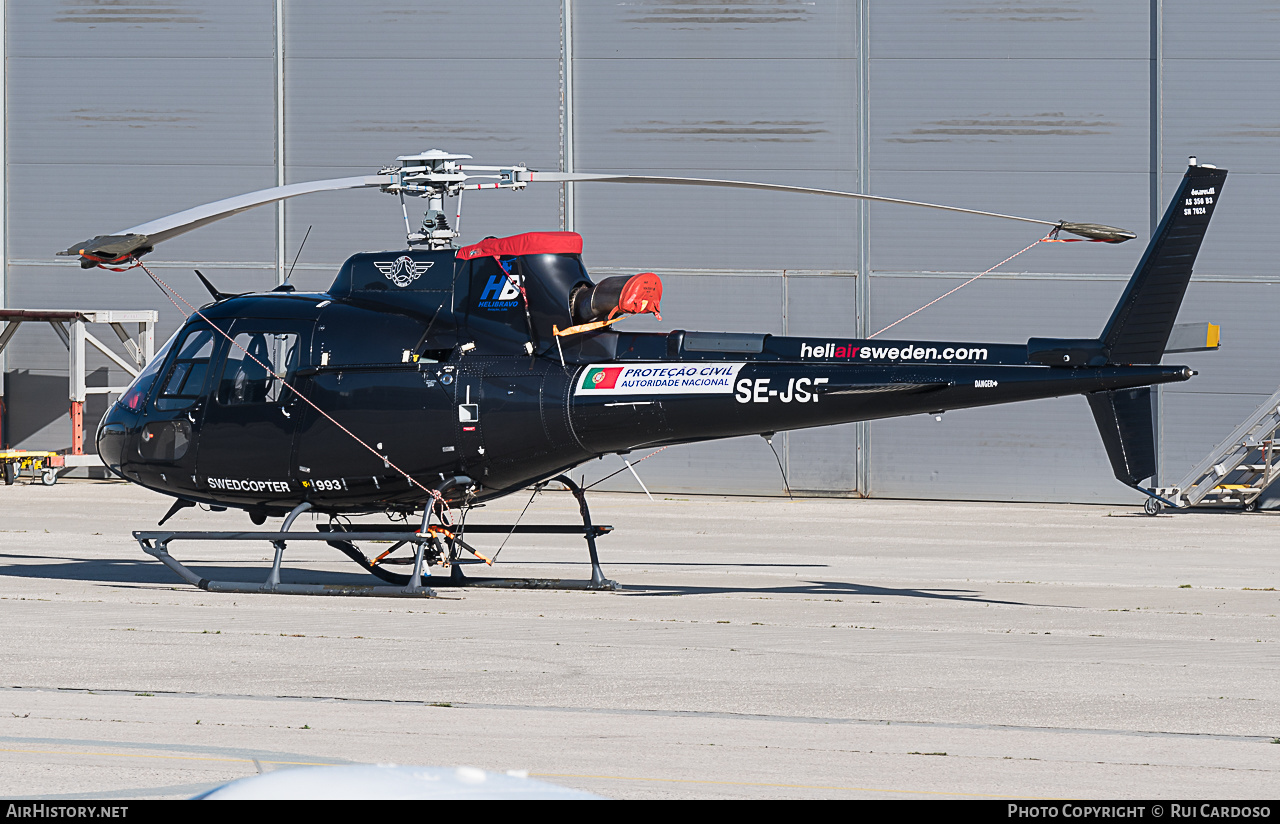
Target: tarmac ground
{"x":760,"y":648}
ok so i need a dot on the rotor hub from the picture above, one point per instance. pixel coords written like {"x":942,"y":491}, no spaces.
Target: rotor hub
{"x":436,"y":174}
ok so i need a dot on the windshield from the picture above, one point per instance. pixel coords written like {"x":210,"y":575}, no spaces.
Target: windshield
{"x":185,"y":378}
{"x":135,"y":395}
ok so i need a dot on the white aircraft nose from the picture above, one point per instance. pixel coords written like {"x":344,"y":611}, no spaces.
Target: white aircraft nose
{"x":387,"y":781}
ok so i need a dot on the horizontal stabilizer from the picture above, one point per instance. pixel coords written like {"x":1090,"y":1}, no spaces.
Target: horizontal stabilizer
{"x":1194,"y":337}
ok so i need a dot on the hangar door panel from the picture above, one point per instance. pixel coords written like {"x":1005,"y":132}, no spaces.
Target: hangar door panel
{"x":1046,"y":450}
{"x":757,"y":92}
{"x":736,"y":466}
{"x":346,"y":90}
{"x":818,"y":309}
{"x":823,"y":461}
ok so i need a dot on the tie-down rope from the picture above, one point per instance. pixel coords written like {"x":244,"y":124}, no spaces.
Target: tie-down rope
{"x":1049,"y":238}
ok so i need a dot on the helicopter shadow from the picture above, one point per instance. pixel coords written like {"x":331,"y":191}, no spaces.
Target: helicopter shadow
{"x":146,"y":572}
{"x":826,"y":589}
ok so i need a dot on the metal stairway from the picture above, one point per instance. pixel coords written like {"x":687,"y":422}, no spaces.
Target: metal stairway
{"x":1238,"y":470}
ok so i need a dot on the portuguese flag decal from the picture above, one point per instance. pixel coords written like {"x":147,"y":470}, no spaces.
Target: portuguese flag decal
{"x":602,"y":378}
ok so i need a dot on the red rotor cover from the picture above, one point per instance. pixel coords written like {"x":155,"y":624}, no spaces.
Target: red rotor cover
{"x":642,"y":293}
{"x":530,"y":243}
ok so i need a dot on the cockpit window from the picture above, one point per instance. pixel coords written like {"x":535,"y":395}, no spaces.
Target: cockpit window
{"x":256,"y":364}
{"x":135,"y":396}
{"x":185,"y":379}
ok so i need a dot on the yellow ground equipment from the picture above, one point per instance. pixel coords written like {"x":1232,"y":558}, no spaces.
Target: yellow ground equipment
{"x":45,"y":465}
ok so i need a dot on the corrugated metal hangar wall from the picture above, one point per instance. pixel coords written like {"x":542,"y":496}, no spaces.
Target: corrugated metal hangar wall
{"x":120,"y":112}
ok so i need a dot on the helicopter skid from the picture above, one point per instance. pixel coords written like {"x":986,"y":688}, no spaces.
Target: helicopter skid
{"x":597,"y":583}
{"x":604,"y":584}
{"x":349,"y":533}
{"x":156,"y":544}
{"x":426,"y":545}
{"x":455,"y":578}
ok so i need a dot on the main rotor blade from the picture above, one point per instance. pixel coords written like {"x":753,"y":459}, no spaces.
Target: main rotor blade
{"x":123,"y":247}
{"x":164,"y":228}
{"x":1113,"y":234}
{"x":142,"y":238}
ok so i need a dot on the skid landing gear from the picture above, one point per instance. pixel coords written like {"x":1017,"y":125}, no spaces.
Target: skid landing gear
{"x":431,"y":545}
{"x":157,"y":544}
{"x":443,"y":546}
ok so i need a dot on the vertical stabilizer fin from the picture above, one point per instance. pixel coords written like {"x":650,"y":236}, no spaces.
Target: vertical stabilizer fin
{"x":1140,"y":325}
{"x":1127,"y":426}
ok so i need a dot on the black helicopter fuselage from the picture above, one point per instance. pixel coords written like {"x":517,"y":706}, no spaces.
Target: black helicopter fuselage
{"x":422,"y":363}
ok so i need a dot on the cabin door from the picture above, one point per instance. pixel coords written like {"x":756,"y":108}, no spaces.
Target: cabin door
{"x":250,"y":415}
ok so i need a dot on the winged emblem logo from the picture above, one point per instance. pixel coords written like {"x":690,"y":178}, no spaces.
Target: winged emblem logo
{"x":403,"y":270}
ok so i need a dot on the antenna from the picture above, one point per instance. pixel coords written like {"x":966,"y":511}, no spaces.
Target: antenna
{"x":427,"y":332}
{"x":289,"y":274}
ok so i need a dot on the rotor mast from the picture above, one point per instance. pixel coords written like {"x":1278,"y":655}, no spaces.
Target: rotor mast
{"x":435,"y":174}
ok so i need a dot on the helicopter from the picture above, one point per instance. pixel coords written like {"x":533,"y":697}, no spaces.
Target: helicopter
{"x":436,"y":377}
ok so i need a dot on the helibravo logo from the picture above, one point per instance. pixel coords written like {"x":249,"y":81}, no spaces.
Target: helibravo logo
{"x":659,"y":379}
{"x":500,"y":292}
{"x":910,"y":352}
